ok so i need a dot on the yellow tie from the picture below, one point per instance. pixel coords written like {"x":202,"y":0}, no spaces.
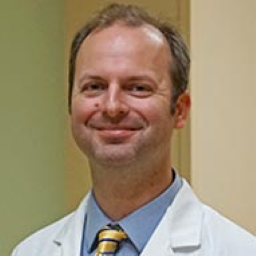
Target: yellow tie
{"x":109,"y":239}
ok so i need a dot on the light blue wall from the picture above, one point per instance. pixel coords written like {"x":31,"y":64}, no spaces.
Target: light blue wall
{"x":32,"y":117}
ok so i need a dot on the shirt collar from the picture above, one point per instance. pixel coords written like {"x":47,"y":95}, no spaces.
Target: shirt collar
{"x":138,"y":225}
{"x":95,"y":220}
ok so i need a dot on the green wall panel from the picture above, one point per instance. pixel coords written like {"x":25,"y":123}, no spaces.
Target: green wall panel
{"x":32,"y":117}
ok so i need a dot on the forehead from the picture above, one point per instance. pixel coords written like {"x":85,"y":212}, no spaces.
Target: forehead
{"x":120,"y":37}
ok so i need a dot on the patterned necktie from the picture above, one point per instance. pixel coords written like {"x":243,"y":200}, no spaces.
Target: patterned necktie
{"x":109,"y":239}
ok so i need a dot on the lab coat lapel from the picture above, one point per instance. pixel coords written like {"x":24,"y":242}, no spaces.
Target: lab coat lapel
{"x":68,"y":241}
{"x":179,"y":232}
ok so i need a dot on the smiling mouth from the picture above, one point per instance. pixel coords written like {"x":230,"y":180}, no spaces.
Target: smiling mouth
{"x":117,"y":131}
{"x":117,"y":128}
{"x":116,"y":134}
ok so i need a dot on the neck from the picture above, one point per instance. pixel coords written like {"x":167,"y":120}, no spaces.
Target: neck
{"x":127,"y":188}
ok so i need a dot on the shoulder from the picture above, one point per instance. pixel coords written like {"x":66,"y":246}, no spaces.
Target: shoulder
{"x":217,"y":235}
{"x":48,"y":240}
{"x":32,"y":245}
{"x":225,"y":235}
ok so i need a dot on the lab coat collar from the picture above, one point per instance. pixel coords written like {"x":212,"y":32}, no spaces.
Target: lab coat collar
{"x":179,"y":230}
{"x":185,"y":219}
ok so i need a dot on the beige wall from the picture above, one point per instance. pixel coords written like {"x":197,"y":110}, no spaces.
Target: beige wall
{"x":223,"y":82}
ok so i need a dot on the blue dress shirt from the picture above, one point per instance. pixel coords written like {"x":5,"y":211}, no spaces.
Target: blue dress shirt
{"x":139,"y":225}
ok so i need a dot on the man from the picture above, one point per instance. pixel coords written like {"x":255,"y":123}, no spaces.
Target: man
{"x":128,"y":81}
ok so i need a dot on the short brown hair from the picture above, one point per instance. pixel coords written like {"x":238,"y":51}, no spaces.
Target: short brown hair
{"x":134,"y":16}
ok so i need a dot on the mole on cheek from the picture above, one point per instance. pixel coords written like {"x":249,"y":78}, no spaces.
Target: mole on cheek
{"x":96,"y":105}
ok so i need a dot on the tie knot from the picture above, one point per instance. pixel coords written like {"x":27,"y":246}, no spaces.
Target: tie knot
{"x":109,"y":239}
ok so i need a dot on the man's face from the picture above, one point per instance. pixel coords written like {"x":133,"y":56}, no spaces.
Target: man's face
{"x":121,"y":99}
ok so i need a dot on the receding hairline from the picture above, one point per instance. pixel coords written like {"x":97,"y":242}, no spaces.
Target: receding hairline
{"x":121,"y":23}
{"x":151,"y":31}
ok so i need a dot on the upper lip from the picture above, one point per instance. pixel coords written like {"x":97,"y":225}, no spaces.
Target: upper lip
{"x":114,"y":127}
{"x":129,"y":125}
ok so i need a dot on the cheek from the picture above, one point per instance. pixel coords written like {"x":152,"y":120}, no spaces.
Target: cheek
{"x":82,"y":110}
{"x":155,"y":112}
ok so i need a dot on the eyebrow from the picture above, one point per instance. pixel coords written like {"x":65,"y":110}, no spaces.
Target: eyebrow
{"x":87,"y":76}
{"x":140,"y":77}
{"x":130,"y":78}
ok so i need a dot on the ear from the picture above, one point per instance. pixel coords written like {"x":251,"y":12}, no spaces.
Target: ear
{"x":182,"y":110}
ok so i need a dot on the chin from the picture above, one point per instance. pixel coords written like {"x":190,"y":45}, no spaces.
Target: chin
{"x":115,"y":155}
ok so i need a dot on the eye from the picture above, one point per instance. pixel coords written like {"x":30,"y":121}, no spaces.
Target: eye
{"x":93,"y":89}
{"x":140,"y":90}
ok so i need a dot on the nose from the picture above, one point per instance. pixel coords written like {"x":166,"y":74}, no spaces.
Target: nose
{"x":114,"y":105}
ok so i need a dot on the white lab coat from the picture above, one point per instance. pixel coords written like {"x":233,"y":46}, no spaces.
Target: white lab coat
{"x":188,"y":228}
